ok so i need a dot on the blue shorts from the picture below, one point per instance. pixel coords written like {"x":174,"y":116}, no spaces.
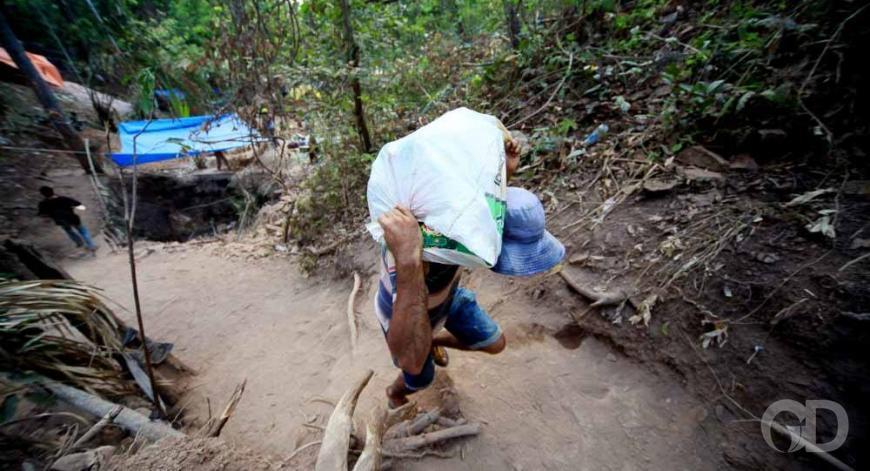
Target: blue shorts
{"x":469,"y":323}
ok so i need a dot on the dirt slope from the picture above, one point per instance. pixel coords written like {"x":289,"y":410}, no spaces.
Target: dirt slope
{"x":555,"y":399}
{"x":203,"y":454}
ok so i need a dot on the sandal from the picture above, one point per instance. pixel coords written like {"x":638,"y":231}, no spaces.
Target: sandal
{"x":439,"y":355}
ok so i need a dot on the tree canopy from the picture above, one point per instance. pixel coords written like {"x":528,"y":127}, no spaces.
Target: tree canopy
{"x":362,"y":72}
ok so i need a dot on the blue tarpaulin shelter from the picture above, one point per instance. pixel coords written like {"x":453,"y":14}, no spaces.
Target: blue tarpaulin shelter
{"x":172,"y":92}
{"x":164,"y":139}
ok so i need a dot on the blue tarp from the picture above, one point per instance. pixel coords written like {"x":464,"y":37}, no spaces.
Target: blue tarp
{"x":172,"y":92}
{"x":164,"y":139}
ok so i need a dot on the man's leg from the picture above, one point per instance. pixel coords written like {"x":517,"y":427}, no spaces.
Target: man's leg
{"x":406,"y":383}
{"x":447,"y":340}
{"x":86,"y":237}
{"x":469,"y":327}
{"x":397,"y":392}
{"x":72,"y":235}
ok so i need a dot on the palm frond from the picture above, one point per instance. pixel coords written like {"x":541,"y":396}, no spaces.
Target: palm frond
{"x":63,"y":330}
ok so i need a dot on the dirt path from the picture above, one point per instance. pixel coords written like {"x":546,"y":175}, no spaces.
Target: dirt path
{"x":554,"y":399}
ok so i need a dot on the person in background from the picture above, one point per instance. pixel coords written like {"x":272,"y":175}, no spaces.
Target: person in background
{"x":221,"y":159}
{"x":61,"y":210}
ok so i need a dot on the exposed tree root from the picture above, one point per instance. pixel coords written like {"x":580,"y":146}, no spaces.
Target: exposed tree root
{"x":607,"y":298}
{"x":370,"y":459}
{"x":415,"y":442}
{"x":351,"y":318}
{"x":413,"y":427}
{"x":336,"y":437}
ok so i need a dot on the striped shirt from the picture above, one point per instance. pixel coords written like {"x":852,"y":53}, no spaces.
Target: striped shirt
{"x":438,"y":278}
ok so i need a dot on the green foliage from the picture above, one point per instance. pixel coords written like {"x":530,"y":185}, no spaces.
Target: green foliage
{"x":642,"y":14}
{"x":565,"y":126}
{"x":180,"y":108}
{"x":145,"y":86}
{"x":581,"y":62}
{"x":110,"y":50}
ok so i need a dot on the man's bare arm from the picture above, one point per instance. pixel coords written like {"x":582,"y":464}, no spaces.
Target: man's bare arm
{"x":410,"y":335}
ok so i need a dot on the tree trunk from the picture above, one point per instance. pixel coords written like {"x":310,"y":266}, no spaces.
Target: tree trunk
{"x":44,"y":94}
{"x":353,"y":63}
{"x":513,"y":22}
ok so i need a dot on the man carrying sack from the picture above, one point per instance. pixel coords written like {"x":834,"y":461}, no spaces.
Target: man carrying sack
{"x":418,"y":296}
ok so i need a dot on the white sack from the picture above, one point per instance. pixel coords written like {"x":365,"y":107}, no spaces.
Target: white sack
{"x":451,"y":175}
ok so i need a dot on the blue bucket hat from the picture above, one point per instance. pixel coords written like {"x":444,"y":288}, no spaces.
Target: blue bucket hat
{"x":527,"y":248}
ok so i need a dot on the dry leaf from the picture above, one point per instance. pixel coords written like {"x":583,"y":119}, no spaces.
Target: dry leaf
{"x":644,"y":310}
{"x":717,"y":336}
{"x":808,"y":196}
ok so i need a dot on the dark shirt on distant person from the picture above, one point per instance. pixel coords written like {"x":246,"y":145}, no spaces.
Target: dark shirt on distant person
{"x":60,"y":210}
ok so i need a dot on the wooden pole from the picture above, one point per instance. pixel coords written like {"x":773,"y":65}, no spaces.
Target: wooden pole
{"x":129,"y":219}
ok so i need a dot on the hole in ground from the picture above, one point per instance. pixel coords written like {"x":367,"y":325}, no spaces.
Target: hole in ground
{"x":180,"y":207}
{"x":570,"y":336}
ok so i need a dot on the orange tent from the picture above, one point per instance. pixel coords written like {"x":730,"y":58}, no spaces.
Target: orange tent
{"x":45,"y":68}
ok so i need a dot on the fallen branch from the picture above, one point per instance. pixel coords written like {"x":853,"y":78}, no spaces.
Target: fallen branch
{"x":44,"y":415}
{"x":409,"y":444}
{"x":420,"y":455}
{"x":213,"y":427}
{"x":607,"y":298}
{"x":298,"y":450}
{"x":351,"y":318}
{"x":93,"y":431}
{"x":399,"y":413}
{"x":325,"y":249}
{"x":857,"y":316}
{"x":128,"y":419}
{"x":413,"y":427}
{"x":447,"y":422}
{"x":323,"y":400}
{"x":828,"y":43}
{"x":781,"y":284}
{"x":336,"y":438}
{"x":853,"y":261}
{"x":774,"y":425}
{"x":610,"y":204}
{"x":553,"y":95}
{"x":810,"y":447}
